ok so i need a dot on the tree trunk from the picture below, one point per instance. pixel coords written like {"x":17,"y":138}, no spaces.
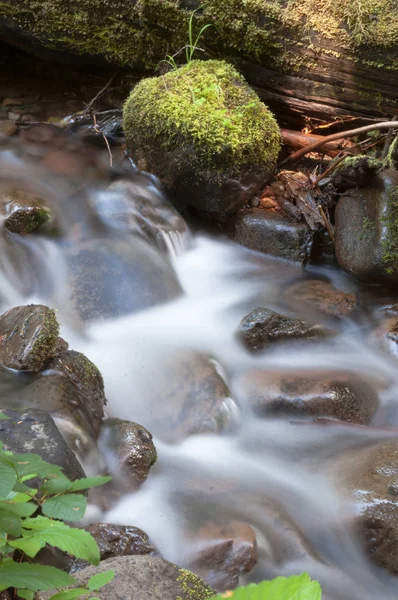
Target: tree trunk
{"x":317,"y":59}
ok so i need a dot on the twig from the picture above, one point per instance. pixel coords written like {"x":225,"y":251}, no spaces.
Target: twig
{"x":326,"y":222}
{"x":329,"y":170}
{"x":98,"y":130}
{"x":100,"y":93}
{"x":337,"y":136}
{"x":387,"y":142}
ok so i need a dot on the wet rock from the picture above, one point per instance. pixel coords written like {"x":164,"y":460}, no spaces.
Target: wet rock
{"x":385,"y":335}
{"x":111,"y":277}
{"x":341,"y":396}
{"x":128,"y":447}
{"x":355,"y":172}
{"x":34,"y":431}
{"x":72,"y":390}
{"x":24,"y":213}
{"x":371,"y":477}
{"x":263,"y":327}
{"x":274,"y":233}
{"x":224,"y":553}
{"x":116,"y":540}
{"x":209,"y":164}
{"x":366,"y":225}
{"x":144,"y":578}
{"x":28,"y":337}
{"x":317,"y":300}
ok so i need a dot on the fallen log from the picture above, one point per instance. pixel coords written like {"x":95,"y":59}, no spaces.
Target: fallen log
{"x":320,"y":59}
{"x":298,"y":139}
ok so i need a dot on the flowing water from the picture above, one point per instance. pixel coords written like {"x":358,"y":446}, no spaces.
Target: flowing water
{"x":270,"y":473}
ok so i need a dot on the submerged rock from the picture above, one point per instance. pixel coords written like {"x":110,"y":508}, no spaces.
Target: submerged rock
{"x":341,"y":396}
{"x":28,"y":337}
{"x":127,"y":447}
{"x":366,"y":230}
{"x":24,"y":213}
{"x":274,"y":233}
{"x":111,"y":277}
{"x":263,"y":327}
{"x":205,"y":133}
{"x":371,"y":477}
{"x":116,"y":540}
{"x":144,"y":578}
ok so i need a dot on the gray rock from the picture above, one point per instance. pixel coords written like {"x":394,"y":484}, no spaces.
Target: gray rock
{"x":341,"y":396}
{"x":28,"y":337}
{"x":263,"y":327}
{"x":127,"y":447}
{"x":144,"y":578}
{"x":366,"y":226}
{"x":274,"y":233}
{"x":111,"y":277}
{"x":116,"y":540}
{"x":34,"y":431}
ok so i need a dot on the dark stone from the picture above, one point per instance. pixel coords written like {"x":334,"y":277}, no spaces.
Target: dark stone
{"x":274,"y":233}
{"x":24,"y":212}
{"x":144,"y":578}
{"x":28,"y":337}
{"x":263,"y":327}
{"x":129,"y":447}
{"x":366,"y":230}
{"x":116,"y":540}
{"x":355,"y":172}
{"x":343,"y":397}
{"x":222,"y":553}
{"x":109,"y":278}
{"x":34,"y":431}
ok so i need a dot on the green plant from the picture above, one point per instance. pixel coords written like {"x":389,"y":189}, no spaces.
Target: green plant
{"x":298,"y":587}
{"x":35,"y":500}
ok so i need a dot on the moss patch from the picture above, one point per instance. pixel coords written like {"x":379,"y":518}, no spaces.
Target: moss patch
{"x":193,"y":587}
{"x":47,"y":340}
{"x":209,"y":108}
{"x":390,"y":240}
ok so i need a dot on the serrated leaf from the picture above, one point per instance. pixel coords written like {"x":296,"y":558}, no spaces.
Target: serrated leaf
{"x":56,"y":485}
{"x":88,"y":482}
{"x":32,"y":577}
{"x":22,"y":510}
{"x":22,"y":488}
{"x":10,"y":523}
{"x":70,"y":594}
{"x":26,"y":594}
{"x":298,"y":587}
{"x":8,"y":478}
{"x":29,"y":546}
{"x":70,"y":507}
{"x":32,"y":465}
{"x":77,"y":542}
{"x":41,"y":523}
{"x":98,"y":581}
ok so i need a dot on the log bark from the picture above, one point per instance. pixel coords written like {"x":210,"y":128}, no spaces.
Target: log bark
{"x":316,"y":59}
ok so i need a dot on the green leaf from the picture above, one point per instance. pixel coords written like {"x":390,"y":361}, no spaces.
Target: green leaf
{"x":32,"y":577}
{"x":88,"y":483}
{"x":8,"y":478}
{"x":77,"y":542}
{"x":68,"y":508}
{"x":41,"y":523}
{"x":22,"y":510}
{"x":10,"y":523}
{"x":98,"y":581}
{"x":29,"y":546}
{"x":32,"y":465}
{"x":56,"y":485}
{"x":70,"y":594}
{"x":3,"y":542}
{"x":282,"y":588}
{"x":3,"y":417}
{"x":26,"y":594}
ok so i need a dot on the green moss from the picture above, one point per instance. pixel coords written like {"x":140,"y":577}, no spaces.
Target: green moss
{"x":390,"y":240}
{"x":209,"y":108}
{"x":368,"y":229}
{"x":392,"y":156}
{"x":193,"y":587}
{"x":47,"y":339}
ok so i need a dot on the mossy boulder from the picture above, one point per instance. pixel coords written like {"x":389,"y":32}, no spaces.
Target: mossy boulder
{"x":205,"y":133}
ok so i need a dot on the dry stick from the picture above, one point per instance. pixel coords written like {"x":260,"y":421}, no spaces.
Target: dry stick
{"x":338,"y":136}
{"x":387,"y":142}
{"x":328,"y":170}
{"x":100,"y":93}
{"x":326,"y":222}
{"x":98,"y":130}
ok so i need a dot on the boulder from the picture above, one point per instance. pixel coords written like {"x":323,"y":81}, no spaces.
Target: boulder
{"x":144,"y":578}
{"x":116,"y":540}
{"x":274,"y":233}
{"x":28,"y":337}
{"x":263,"y":327}
{"x":340,"y":396}
{"x":24,"y":212}
{"x":205,"y":133}
{"x":366,"y":230}
{"x":127,"y":447}
{"x":34,"y":431}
